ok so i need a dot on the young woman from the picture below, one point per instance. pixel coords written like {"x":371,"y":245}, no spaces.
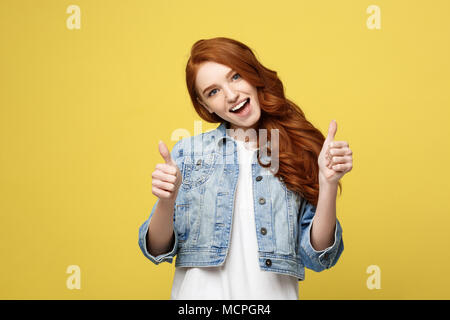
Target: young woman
{"x":240,"y":229}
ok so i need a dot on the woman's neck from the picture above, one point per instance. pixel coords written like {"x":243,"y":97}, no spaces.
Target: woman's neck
{"x":249,"y":134}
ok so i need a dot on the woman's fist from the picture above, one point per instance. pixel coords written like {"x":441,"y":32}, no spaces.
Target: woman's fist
{"x":166,"y":178}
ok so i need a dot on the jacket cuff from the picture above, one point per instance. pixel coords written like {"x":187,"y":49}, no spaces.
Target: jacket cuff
{"x":326,"y":258}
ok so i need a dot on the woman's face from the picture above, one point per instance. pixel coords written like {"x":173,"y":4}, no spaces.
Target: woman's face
{"x":224,"y":92}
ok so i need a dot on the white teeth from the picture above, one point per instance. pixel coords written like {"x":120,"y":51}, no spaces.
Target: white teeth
{"x":239,"y":105}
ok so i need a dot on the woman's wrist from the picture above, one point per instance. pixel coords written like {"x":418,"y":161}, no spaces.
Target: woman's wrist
{"x":324,"y":183}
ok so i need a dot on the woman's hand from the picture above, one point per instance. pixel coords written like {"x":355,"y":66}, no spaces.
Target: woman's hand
{"x":166,"y":178}
{"x":335,"y":159}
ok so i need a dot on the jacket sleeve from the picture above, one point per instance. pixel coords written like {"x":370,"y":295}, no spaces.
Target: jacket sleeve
{"x":313,"y":259}
{"x":143,"y":229}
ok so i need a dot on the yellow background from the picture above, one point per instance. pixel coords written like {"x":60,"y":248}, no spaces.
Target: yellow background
{"x":82,"y":112}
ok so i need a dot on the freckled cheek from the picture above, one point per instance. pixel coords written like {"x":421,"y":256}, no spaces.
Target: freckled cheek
{"x":220,"y":108}
{"x":254,"y":94}
{"x":255,"y":103}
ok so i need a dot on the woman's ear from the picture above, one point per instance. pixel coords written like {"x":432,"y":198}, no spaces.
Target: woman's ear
{"x":204,"y":105}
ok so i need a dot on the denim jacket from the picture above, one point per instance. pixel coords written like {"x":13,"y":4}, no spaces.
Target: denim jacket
{"x":203,"y":212}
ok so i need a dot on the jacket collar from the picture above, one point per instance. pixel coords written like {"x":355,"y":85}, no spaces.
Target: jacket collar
{"x":221,"y":133}
{"x":222,"y":139}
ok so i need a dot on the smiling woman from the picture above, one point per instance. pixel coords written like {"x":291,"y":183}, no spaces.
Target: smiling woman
{"x":240,"y":231}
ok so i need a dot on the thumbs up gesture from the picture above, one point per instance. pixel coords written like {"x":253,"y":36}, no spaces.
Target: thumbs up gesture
{"x":166,"y":178}
{"x":335,"y":158}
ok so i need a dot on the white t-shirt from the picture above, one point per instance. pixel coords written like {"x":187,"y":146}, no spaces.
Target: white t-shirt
{"x":239,"y":277}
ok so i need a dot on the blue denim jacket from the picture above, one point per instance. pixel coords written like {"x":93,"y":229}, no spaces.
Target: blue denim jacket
{"x":204,"y":205}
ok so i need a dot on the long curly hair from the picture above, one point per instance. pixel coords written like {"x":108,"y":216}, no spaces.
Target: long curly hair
{"x":300,"y":142}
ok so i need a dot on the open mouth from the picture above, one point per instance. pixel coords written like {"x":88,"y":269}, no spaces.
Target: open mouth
{"x":241,"y":107}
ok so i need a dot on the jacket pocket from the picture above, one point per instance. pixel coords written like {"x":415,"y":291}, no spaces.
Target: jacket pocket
{"x":197,"y":170}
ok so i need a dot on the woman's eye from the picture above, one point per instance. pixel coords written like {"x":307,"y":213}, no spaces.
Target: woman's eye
{"x":235,"y":77}
{"x":210,"y":93}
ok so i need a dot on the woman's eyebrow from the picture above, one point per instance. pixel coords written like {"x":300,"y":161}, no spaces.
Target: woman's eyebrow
{"x":209,"y":87}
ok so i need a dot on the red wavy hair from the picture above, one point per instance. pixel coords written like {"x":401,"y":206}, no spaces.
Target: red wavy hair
{"x":300,"y":142}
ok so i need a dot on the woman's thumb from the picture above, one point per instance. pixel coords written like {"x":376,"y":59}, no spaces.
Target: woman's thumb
{"x":165,"y":152}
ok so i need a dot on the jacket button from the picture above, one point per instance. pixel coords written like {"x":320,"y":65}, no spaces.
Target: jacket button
{"x":268,"y":262}
{"x":199,"y":162}
{"x":258,"y":178}
{"x":262,"y":200}
{"x":263,"y":231}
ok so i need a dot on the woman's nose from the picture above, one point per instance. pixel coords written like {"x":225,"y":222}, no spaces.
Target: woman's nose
{"x":231,"y":94}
